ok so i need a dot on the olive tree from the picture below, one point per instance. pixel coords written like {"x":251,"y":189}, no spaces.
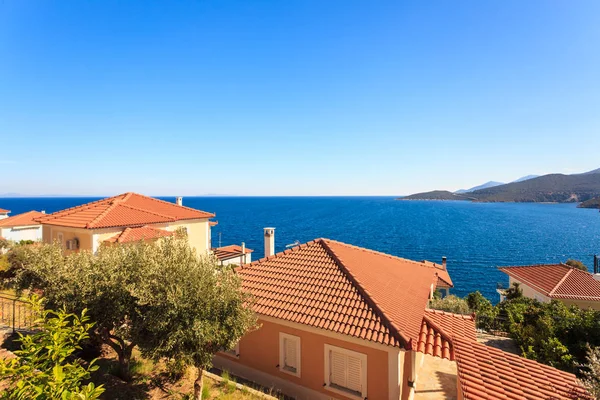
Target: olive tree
{"x":160,"y":296}
{"x":591,"y":372}
{"x":196,"y":307}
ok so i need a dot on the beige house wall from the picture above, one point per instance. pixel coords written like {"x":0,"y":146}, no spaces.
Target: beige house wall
{"x":258,"y":361}
{"x":528,"y":291}
{"x":90,"y":239}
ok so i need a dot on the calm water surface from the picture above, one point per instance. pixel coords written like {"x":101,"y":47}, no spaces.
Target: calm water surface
{"x":476,"y":237}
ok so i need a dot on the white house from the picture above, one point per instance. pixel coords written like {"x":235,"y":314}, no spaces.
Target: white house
{"x":22,"y":227}
{"x":4,"y":213}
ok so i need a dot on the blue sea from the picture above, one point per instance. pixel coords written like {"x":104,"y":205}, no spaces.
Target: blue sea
{"x":476,"y":237}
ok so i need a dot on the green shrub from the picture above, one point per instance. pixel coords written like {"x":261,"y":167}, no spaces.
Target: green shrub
{"x":46,"y":367}
{"x":451,"y":304}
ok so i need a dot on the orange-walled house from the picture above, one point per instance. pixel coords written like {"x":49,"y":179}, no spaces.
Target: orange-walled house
{"x":343,"y":322}
{"x":125,"y":218}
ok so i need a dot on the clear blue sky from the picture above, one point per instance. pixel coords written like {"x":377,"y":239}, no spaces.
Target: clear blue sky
{"x":294,"y":97}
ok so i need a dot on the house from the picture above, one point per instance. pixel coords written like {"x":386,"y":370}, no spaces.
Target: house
{"x":339,"y":321}
{"x":557,"y":281}
{"x":123,"y":218}
{"x":22,"y":227}
{"x":233,"y":254}
{"x":4,"y":213}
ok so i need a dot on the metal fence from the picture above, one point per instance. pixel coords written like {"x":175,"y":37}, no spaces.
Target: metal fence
{"x":493,"y":325}
{"x":16,"y":314}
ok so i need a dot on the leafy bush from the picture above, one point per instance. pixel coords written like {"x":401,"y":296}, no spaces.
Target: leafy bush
{"x":45,"y":368}
{"x":576,"y":264}
{"x":451,"y":304}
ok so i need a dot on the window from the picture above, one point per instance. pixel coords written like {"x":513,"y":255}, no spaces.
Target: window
{"x":289,"y":354}
{"x":346,"y":372}
{"x":59,"y":237}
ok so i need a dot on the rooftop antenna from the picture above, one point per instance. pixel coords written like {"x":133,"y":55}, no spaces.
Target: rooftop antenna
{"x":296,"y":243}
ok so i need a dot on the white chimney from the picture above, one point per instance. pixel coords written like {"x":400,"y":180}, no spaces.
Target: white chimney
{"x":269,"y":242}
{"x":243,"y":253}
{"x":43,"y":211}
{"x":444,"y":262}
{"x":179,"y":201}
{"x":596,"y":276}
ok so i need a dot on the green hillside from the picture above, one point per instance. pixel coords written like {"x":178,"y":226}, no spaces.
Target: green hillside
{"x":555,"y":188}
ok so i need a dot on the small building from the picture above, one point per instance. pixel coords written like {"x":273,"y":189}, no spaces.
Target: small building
{"x":22,"y":227}
{"x":233,"y":254}
{"x":4,"y":213}
{"x":562,"y":282}
{"x":343,"y":322}
{"x":122,"y":218}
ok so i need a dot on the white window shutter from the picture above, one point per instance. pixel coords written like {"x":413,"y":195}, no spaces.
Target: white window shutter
{"x":290,"y":353}
{"x":354,"y":373}
{"x":337,"y":368}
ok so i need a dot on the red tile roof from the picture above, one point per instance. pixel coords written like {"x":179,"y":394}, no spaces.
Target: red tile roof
{"x":3,"y":211}
{"x":136,"y":234}
{"x":228,"y":252}
{"x":486,"y":373}
{"x":438,"y":330}
{"x":128,"y":209}
{"x":345,"y":289}
{"x":213,"y":223}
{"x":558,"y":281}
{"x":25,"y":219}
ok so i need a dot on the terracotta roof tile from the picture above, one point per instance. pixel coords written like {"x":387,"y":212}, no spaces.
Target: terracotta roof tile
{"x":343,"y":288}
{"x":438,"y":330}
{"x":3,"y":211}
{"x":228,"y":252}
{"x":128,"y":209}
{"x":558,"y":281}
{"x":25,"y":219}
{"x":136,"y":234}
{"x":486,"y":373}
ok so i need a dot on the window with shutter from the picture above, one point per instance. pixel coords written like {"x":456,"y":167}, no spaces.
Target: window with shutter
{"x":289,"y":354}
{"x":346,"y":371}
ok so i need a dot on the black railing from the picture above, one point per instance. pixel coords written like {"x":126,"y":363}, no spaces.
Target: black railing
{"x":16,"y":314}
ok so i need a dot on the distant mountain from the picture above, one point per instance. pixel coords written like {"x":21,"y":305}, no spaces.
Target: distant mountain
{"x":484,"y":186}
{"x":525,"y":178}
{"x":556,"y":188}
{"x":437,"y":195}
{"x":596,"y":171}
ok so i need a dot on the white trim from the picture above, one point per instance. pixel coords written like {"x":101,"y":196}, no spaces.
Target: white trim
{"x":363,"y":361}
{"x":282,"y":367}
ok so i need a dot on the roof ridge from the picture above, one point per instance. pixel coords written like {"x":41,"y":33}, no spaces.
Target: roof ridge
{"x":380,"y":253}
{"x":528,"y":282}
{"x":113,"y":206}
{"x":551,"y":293}
{"x":534,"y":265}
{"x":439,"y":329}
{"x":286,"y":251}
{"x":70,"y":210}
{"x":99,"y":217}
{"x":172,"y":204}
{"x":401,"y":337}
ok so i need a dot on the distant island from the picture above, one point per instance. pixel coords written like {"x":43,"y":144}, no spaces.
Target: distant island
{"x":552,"y":188}
{"x":591,"y":203}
